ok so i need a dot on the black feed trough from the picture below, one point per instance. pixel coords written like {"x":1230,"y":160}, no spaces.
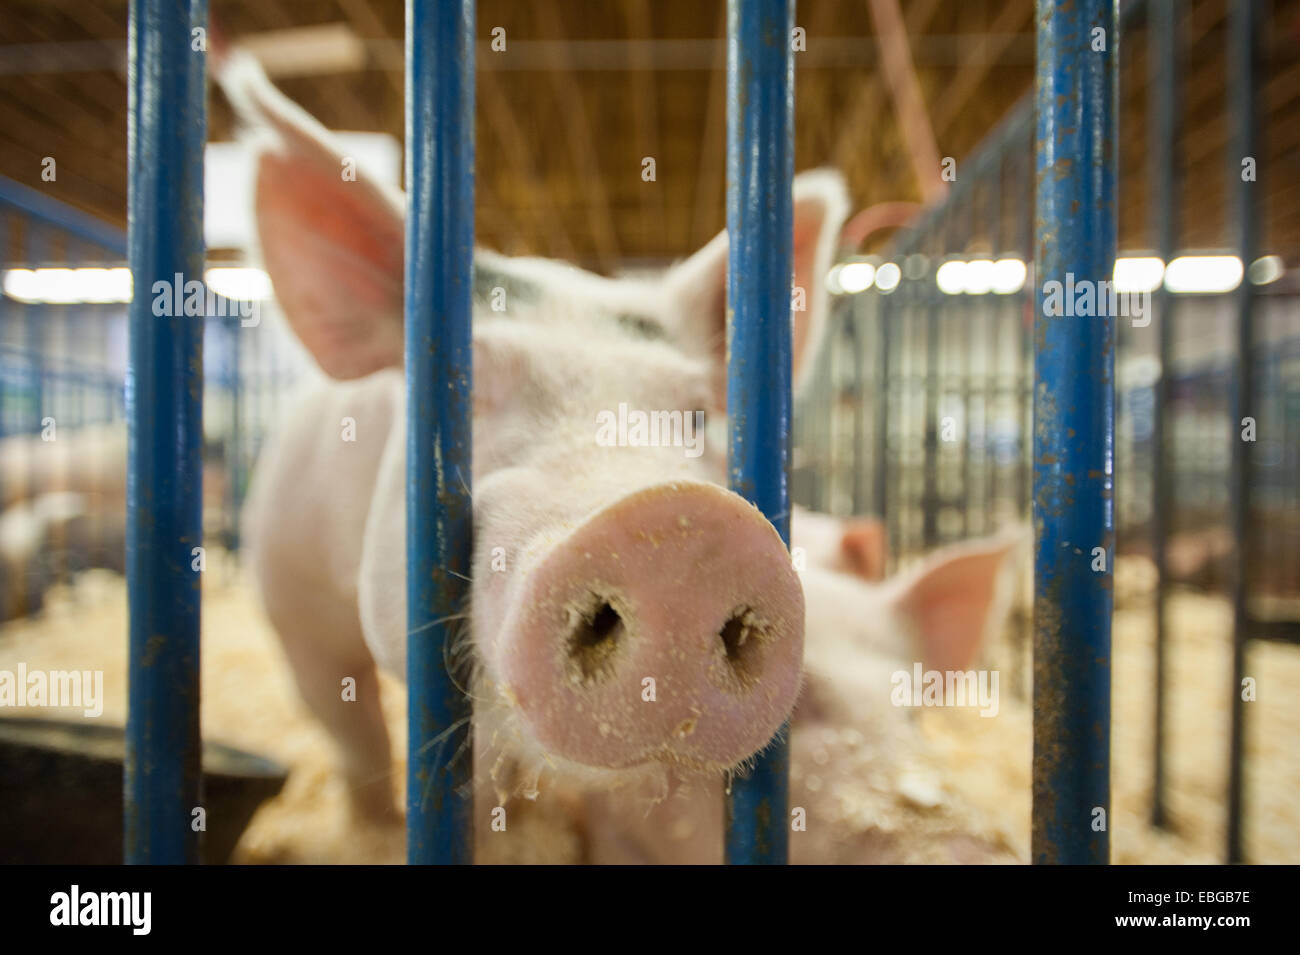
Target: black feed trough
{"x":61,"y":793}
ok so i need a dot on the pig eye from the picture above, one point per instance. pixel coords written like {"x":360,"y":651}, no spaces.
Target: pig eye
{"x":643,"y":326}
{"x":594,"y":637}
{"x":493,"y":286}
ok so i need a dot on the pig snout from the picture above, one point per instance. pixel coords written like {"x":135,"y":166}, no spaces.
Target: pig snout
{"x":668,"y":626}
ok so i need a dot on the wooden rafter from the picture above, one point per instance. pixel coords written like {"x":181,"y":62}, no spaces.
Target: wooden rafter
{"x":645,"y":115}
{"x":581,"y":141}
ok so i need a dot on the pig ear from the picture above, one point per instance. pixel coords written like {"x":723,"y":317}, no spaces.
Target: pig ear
{"x":958,"y":596}
{"x":333,"y":246}
{"x":698,"y":286}
{"x":821,"y":204}
{"x":864,"y":546}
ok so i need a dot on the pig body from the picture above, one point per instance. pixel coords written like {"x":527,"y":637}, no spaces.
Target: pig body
{"x":304,"y":541}
{"x":26,"y":529}
{"x":89,"y":460}
{"x":635,"y":630}
{"x":65,"y":509}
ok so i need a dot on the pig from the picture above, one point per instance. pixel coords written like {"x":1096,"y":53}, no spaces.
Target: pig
{"x":88,"y":460}
{"x":49,"y":537}
{"x":28,"y":528}
{"x":65,"y":509}
{"x":64,"y":505}
{"x":595,"y":567}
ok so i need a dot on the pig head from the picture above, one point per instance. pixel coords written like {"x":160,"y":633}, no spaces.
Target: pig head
{"x":628,"y":613}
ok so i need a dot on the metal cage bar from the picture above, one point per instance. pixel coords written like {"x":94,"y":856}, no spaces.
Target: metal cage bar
{"x":167,"y":126}
{"x":51,"y":212}
{"x":439,"y":280}
{"x":1163,"y":178}
{"x":1244,"y":31}
{"x":1074,"y":419}
{"x":760,"y":221}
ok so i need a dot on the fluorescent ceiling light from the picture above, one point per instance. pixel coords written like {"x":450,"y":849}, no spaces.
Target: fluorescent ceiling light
{"x":951,"y":277}
{"x":1142,"y":273}
{"x":979,"y":277}
{"x":1203,"y":273}
{"x":856,"y":277}
{"x":62,"y":286}
{"x":99,"y":286}
{"x":1267,"y":269}
{"x":242,"y":284}
{"x":888,"y":276}
{"x":1009,"y":276}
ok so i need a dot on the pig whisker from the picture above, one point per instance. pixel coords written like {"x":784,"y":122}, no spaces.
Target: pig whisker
{"x":433,"y":623}
{"x":456,"y":655}
{"x":441,"y":738}
{"x":456,"y":652}
{"x":460,"y":753}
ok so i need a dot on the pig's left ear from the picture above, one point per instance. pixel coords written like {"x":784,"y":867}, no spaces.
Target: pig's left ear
{"x":698,"y":286}
{"x":958,"y":596}
{"x":332,"y":239}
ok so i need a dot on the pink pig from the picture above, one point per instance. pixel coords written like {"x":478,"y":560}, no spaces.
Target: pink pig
{"x":633,"y":625}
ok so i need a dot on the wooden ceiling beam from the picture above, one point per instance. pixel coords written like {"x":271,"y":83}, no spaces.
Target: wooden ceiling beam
{"x":910,"y":111}
{"x":544,"y":217}
{"x":815,"y":113}
{"x":709,"y":189}
{"x":581,"y":141}
{"x":645,"y":117}
{"x":864,"y":108}
{"x":970,"y":76}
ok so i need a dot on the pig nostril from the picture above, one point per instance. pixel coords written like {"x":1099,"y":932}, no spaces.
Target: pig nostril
{"x":741,"y":637}
{"x":593,"y":639}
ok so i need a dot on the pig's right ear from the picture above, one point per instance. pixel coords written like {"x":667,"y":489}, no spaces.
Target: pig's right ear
{"x":698,"y":286}
{"x":332,"y":239}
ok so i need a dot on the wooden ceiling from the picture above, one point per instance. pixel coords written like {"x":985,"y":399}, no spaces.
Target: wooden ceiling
{"x":586,"y":89}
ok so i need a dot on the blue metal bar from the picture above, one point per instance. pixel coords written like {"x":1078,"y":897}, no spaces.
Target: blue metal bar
{"x":1163,"y":178}
{"x":1244,"y":31}
{"x":55,"y":213}
{"x":167,"y":125}
{"x":439,"y":281}
{"x":1074,"y":420}
{"x":760,"y":221}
